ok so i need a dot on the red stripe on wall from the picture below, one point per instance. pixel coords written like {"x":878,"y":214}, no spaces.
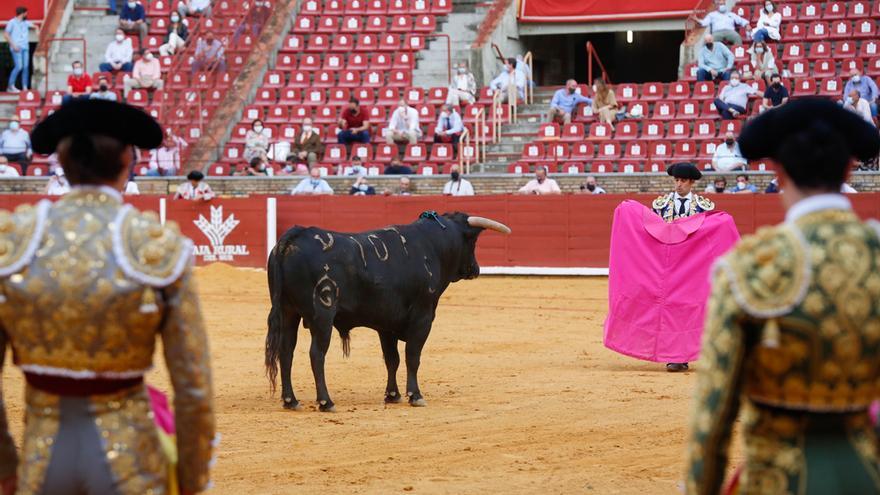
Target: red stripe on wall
{"x":602,"y":10}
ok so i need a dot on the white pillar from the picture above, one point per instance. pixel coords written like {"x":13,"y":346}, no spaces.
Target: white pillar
{"x":271,"y":225}
{"x":162,"y":206}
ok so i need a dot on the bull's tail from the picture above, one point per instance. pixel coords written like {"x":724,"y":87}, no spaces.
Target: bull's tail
{"x":276,"y":318}
{"x":346,"y":342}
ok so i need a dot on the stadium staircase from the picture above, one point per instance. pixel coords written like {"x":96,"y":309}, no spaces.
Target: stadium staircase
{"x":461,"y":27}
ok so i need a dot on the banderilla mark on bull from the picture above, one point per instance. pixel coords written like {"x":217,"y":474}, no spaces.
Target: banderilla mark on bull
{"x":326,"y":245}
{"x":430,"y":277}
{"x":373,"y":238}
{"x":326,"y":290}
{"x":402,"y":238}
{"x":363,"y":258}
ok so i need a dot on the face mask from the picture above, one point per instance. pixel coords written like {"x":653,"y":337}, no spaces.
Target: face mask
{"x":444,"y":114}
{"x":849,"y":100}
{"x":719,"y":189}
{"x":740,"y":185}
{"x":461,"y":70}
{"x":120,"y":37}
{"x":722,"y":9}
{"x":174,"y":18}
{"x":856,"y":79}
{"x":730,"y":141}
{"x":769,"y":8}
{"x":591,"y":187}
{"x":776,"y":84}
{"x":734,"y":82}
{"x":307,"y":128}
{"x":132,"y":5}
{"x":759,"y":50}
{"x":14,"y":125}
{"x":455,"y":176}
{"x":148,"y":57}
{"x":710,"y":45}
{"x":77,"y":71}
{"x":258,"y":128}
{"x":103,"y":87}
{"x":571,"y":91}
{"x":315,"y":182}
{"x":363,"y":187}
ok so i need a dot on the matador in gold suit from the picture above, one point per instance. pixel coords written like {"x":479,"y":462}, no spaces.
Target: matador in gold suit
{"x":792,"y":337}
{"x":87,"y":285}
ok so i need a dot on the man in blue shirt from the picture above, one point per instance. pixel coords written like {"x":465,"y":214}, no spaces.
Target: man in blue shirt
{"x":743,"y":186}
{"x":722,"y":24}
{"x":714,"y":61}
{"x":866,"y":87}
{"x":16,"y":34}
{"x":565,"y":101}
{"x":133,"y":19}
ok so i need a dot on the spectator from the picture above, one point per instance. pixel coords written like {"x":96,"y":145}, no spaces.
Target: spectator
{"x":147,"y":74}
{"x":210,"y":54}
{"x":104,"y":92}
{"x":404,"y":125}
{"x":361,"y":187}
{"x":590,"y":186}
{"x":763,"y":62}
{"x":255,"y":18}
{"x":307,"y":144}
{"x":397,"y":168}
{"x":773,"y":186}
{"x":131,"y":187}
{"x":722,"y":24}
{"x":775,"y":95}
{"x":165,"y":160}
{"x":312,"y":185}
{"x":255,"y":168}
{"x":16,"y":35}
{"x":57,"y":185}
{"x":743,"y":186}
{"x":111,"y":8}
{"x":194,"y":7}
{"x":133,"y":20}
{"x":714,"y":61}
{"x":463,"y":89}
{"x":541,"y":184}
{"x":404,"y":187}
{"x":79,"y":84}
{"x":194,"y":189}
{"x":293,"y":167}
{"x":6,"y":170}
{"x":768,"y":24}
{"x":565,"y":101}
{"x":118,"y":55}
{"x":509,"y":79}
{"x":457,"y":185}
{"x":865,"y":86}
{"x":449,"y":126}
{"x":855,"y":103}
{"x":604,"y":103}
{"x":356,"y":167}
{"x":727,"y":155}
{"x":847,"y":189}
{"x":734,"y":98}
{"x":256,"y":141}
{"x":15,"y":144}
{"x":176,"y":36}
{"x":718,"y":186}
{"x":354,"y":124}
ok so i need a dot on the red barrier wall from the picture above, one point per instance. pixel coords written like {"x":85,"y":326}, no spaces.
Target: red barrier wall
{"x":230,"y":230}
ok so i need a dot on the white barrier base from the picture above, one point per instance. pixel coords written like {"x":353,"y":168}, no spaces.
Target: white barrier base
{"x":543,"y":270}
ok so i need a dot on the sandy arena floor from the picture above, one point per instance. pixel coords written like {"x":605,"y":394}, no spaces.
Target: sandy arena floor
{"x":523,"y":398}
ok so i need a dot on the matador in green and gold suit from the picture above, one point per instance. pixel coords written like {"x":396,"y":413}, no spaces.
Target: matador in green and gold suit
{"x":792,"y":337}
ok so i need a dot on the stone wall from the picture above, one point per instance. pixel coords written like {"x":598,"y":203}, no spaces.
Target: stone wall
{"x":483,"y":184}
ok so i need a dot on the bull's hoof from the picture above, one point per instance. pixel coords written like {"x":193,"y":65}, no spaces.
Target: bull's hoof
{"x":326,"y":406}
{"x":393,"y":398}
{"x":420,"y":402}
{"x":292,"y":405}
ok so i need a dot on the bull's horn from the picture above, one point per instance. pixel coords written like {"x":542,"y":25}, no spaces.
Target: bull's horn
{"x":485,"y":223}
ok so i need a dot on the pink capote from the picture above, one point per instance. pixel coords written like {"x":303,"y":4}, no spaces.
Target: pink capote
{"x":658,"y":281}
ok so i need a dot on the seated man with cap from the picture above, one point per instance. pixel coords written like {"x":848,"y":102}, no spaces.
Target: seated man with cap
{"x":792,"y":328}
{"x":194,"y":189}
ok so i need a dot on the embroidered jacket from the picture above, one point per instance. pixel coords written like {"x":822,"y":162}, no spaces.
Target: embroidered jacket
{"x":665,"y":206}
{"x":86,"y":285}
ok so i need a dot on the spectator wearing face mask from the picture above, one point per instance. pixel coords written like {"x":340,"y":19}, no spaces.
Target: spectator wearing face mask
{"x":404,"y":125}
{"x":449,"y":127}
{"x":855,"y":103}
{"x":775,"y":95}
{"x":768,"y":24}
{"x":79,"y":84}
{"x":722,"y":24}
{"x":865,"y":86}
{"x":734,"y":98}
{"x":194,"y":7}
{"x":463,"y":90}
{"x":307,"y":144}
{"x":604,"y":103}
{"x":147,"y":74}
{"x":118,"y":55}
{"x":361,"y":187}
{"x":57,"y":185}
{"x":727,"y":155}
{"x":457,"y":185}
{"x":591,"y":186}
{"x":541,"y":184}
{"x":210,"y":55}
{"x":255,"y":168}
{"x":133,"y":19}
{"x":312,"y":185}
{"x":256,"y":141}
{"x":16,"y":35}
{"x":176,"y":36}
{"x":773,"y":186}
{"x":714,"y":61}
{"x":509,"y":80}
{"x":763,"y":62}
{"x":6,"y":170}
{"x":354,"y":124}
{"x":718,"y":186}
{"x":743,"y":186}
{"x":15,"y":145}
{"x":104,"y":92}
{"x":565,"y":102}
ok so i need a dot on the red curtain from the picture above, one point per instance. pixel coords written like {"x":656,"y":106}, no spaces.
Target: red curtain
{"x":602,"y":10}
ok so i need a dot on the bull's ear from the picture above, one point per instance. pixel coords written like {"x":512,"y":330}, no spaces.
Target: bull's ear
{"x":485,"y":223}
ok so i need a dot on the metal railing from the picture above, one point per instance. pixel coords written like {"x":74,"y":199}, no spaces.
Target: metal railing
{"x":49,"y":41}
{"x":481,"y":138}
{"x":464,"y":143}
{"x":530,"y":87}
{"x":692,"y":24}
{"x":591,"y":55}
{"x":490,"y":22}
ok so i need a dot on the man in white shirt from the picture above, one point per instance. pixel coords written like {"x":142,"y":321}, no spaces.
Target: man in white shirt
{"x":6,"y":170}
{"x":15,"y":144}
{"x":727,"y":156}
{"x":131,"y":187}
{"x":118,"y":55}
{"x":194,"y":189}
{"x":458,"y":185}
{"x":404,"y":125}
{"x":312,"y":185}
{"x":855,"y":103}
{"x":509,"y":76}
{"x":722,"y":24}
{"x":58,"y":185}
{"x":463,"y":87}
{"x":541,"y":184}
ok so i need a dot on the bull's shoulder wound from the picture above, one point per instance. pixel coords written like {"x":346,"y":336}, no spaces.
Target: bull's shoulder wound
{"x":149,"y":252}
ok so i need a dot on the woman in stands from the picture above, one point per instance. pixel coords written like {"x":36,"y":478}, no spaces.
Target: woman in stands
{"x":256,"y":142}
{"x":769,"y":22}
{"x":604,"y":103}
{"x":762,"y":61}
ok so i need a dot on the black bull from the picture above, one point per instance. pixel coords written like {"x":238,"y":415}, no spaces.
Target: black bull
{"x":389,"y":280}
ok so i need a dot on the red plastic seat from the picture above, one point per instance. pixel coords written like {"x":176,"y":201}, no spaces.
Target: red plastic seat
{"x":334,"y":7}
{"x":690,"y":72}
{"x":400,"y":78}
{"x":679,"y":90}
{"x":273,"y":79}
{"x":351,"y":24}
{"x":403,"y":60}
{"x":364,"y":95}
{"x":859,"y":9}
{"x":342,"y":42}
{"x":415,"y":153}
{"x":823,"y":68}
{"x":660,"y":150}
{"x":652,"y":129}
{"x":840,"y":30}
{"x":831,"y":86}
{"x":821,"y":49}
{"x":314,"y":97}
{"x":798,"y":68}
{"x":377,"y":7}
{"x":844,"y":50}
{"x":793,"y":51}
{"x":572,"y":132}
{"x":726,"y":126}
{"x":318,"y":43}
{"x":794,"y":31}
{"x":356,"y":7}
{"x":367,"y":42}
{"x":834,"y":10}
{"x":865,"y":28}
{"x":626,"y":92}
{"x":278,"y":114}
{"x":389,"y":42}
{"x":704,"y":90}
{"x":805,"y":86}
{"x":848,"y":65}
{"x":549,"y":131}
{"x":335,"y":153}
{"x":608,"y":150}
{"x":636,"y":109}
{"x":398,"y":7}
{"x":789,"y":13}
{"x":437,"y":96}
{"x":311,"y":7}
{"x":338,"y":96}
{"x":704,"y":129}
{"x":327,"y":24}
{"x":441,"y":7}
{"x":626,"y":130}
{"x":810,"y":12}
{"x":707,"y":150}
{"x":376,"y":24}
{"x":29,"y":98}
{"x":324,"y":79}
{"x":304,"y":24}
{"x":663,"y":110}
{"x":386,"y":152}
{"x":583,"y":150}
{"x":687,"y":110}
{"x":652,"y":91}
{"x":290,"y":96}
{"x":326,"y":115}
{"x":635,"y":150}
{"x":678,"y":129}
{"x":232,"y":153}
{"x":600,"y":132}
{"x":533,"y":152}
{"x":425,"y":24}
{"x":414,"y":96}
{"x":350,"y":78}
{"x":684,"y":149}
{"x":441,"y":153}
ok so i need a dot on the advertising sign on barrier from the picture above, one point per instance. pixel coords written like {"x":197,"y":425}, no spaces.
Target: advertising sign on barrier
{"x":228,"y":230}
